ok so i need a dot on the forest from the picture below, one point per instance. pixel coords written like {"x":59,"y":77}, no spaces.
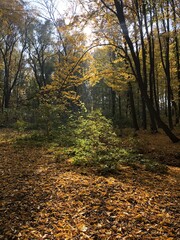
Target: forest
{"x":89,"y":119}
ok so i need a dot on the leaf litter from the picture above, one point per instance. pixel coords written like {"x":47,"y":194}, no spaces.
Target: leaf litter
{"x":44,"y":199}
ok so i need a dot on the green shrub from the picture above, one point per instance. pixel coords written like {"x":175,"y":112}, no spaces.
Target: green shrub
{"x":21,"y":125}
{"x":155,"y":167}
{"x":96,"y":142}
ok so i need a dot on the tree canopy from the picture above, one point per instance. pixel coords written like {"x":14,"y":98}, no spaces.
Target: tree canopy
{"x":133,"y":51}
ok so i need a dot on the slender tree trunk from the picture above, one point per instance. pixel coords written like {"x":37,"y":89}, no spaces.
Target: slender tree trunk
{"x":144,"y":118}
{"x":120,"y":15}
{"x":120,"y":114}
{"x":152,"y":91}
{"x":7,"y":100}
{"x":156,"y":95}
{"x":165,"y":104}
{"x":6,"y":91}
{"x":120,"y":108}
{"x":127,"y":105}
{"x":132,"y":105}
{"x":102,"y":99}
{"x":165,"y":61}
{"x":113,"y":100}
{"x":177,"y":57}
{"x":144,"y":68}
{"x":156,"y":88}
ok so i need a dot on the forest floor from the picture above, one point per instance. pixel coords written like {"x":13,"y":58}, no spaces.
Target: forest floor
{"x":42,"y":198}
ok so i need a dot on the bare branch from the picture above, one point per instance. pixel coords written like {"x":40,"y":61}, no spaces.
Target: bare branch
{"x":108,"y":7}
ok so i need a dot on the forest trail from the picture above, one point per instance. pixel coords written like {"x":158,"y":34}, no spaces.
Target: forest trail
{"x":41,"y":198}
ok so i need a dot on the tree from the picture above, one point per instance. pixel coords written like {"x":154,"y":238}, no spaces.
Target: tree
{"x":174,"y":5}
{"x":121,"y":17}
{"x":12,"y":46}
{"x":120,"y":13}
{"x":40,"y":49}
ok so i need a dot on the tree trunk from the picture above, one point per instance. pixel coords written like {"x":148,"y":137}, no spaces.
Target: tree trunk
{"x":132,"y":105}
{"x":177,"y":56}
{"x":113,"y":98}
{"x":165,"y":60}
{"x":120,"y":115}
{"x":120,"y":15}
{"x":144,"y":118}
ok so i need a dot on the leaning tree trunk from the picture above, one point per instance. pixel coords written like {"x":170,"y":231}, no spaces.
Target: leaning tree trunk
{"x":121,"y":17}
{"x":165,"y":60}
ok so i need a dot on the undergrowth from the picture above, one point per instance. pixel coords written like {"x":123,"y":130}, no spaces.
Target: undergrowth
{"x":91,"y":141}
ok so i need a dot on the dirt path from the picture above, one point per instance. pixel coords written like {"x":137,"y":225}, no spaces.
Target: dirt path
{"x":44,"y":199}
